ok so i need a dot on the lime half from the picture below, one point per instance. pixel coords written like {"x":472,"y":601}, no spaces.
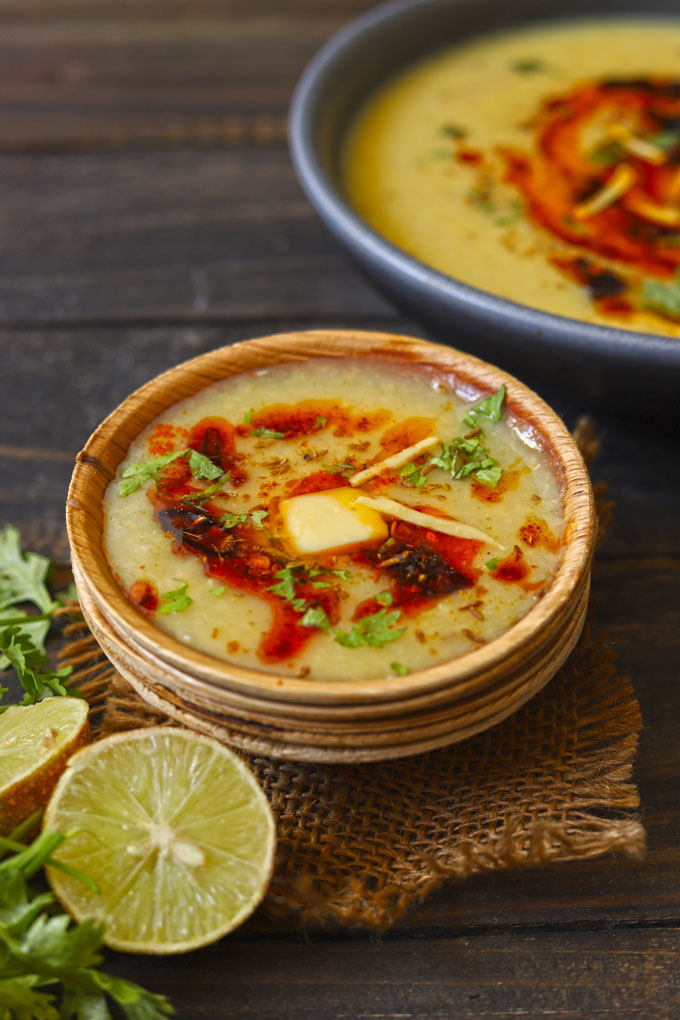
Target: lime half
{"x":36,"y":741}
{"x":175,"y":831}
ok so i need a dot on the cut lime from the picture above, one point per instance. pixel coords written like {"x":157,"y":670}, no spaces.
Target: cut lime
{"x":36,"y":741}
{"x":175,"y":831}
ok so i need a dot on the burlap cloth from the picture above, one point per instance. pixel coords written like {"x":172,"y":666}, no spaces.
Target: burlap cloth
{"x":359,"y":845}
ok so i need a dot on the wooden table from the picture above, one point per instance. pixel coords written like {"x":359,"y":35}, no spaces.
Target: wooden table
{"x":149,"y":213}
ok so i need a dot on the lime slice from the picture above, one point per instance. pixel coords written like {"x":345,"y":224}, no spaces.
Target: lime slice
{"x":36,"y":741}
{"x":175,"y":831}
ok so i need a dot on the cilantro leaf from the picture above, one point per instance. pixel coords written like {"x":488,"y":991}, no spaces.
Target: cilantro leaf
{"x":43,"y":949}
{"x":399,"y":669}
{"x":319,"y":423}
{"x":205,"y":494}
{"x":248,"y":416}
{"x":285,"y":588}
{"x":230,"y":520}
{"x":218,"y":592}
{"x":317,"y":617}
{"x":528,"y":65}
{"x":413,"y":475}
{"x":136,"y":475}
{"x":491,"y":407}
{"x":257,"y":516}
{"x":376,"y":630}
{"x":384,"y":598}
{"x":22,"y":574}
{"x":265,"y":433}
{"x":201,"y":466}
{"x":30,"y":663}
{"x":662,"y":297}
{"x":175,"y":601}
{"x":346,"y":469}
{"x":492,"y":563}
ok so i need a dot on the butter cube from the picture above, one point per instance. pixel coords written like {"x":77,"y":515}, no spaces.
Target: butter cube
{"x":327,"y":520}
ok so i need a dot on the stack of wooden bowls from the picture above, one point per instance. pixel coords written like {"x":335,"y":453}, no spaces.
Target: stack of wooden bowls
{"x":308,"y":719}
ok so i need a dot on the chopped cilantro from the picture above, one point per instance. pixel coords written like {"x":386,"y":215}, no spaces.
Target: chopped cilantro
{"x":285,"y":588}
{"x":384,"y":598}
{"x":399,"y":669}
{"x":230,"y":520}
{"x":320,"y":423}
{"x":514,"y":212}
{"x":490,"y":476}
{"x":175,"y":601}
{"x":205,"y":494}
{"x":344,"y":575}
{"x":257,"y":516}
{"x":607,"y":154}
{"x":201,"y":466}
{"x":135,"y":475}
{"x":344,"y":469}
{"x":452,"y":131}
{"x":528,"y":65}
{"x":299,"y":604}
{"x":376,"y":630}
{"x":492,"y":563}
{"x":491,"y":407}
{"x":317,"y":617}
{"x":265,"y":433}
{"x":412,"y":474}
{"x":217,"y":592}
{"x":665,"y":140}
{"x":662,"y":297}
{"x":248,"y":416}
{"x":464,"y":457}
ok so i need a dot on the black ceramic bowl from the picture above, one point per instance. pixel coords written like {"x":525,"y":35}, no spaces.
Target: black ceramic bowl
{"x":614,"y":366}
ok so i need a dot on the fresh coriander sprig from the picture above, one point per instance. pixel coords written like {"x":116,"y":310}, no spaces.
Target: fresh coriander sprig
{"x":42,"y":951}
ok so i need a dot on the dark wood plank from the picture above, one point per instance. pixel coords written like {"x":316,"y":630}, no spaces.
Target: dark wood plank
{"x":166,"y":236}
{"x":84,"y":75}
{"x":626,"y":975}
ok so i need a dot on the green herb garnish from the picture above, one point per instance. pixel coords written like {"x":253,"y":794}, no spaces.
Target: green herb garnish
{"x":205,"y":494}
{"x":230,"y":520}
{"x":464,"y":457}
{"x":257,"y":516}
{"x":319,"y":423}
{"x":135,"y":475}
{"x":317,"y":617}
{"x":376,"y":630}
{"x":452,"y":131}
{"x":218,"y":592}
{"x":492,"y":563}
{"x":399,"y":669}
{"x":529,"y":65}
{"x":285,"y":588}
{"x":384,"y":598}
{"x":264,"y":433}
{"x":248,"y":416}
{"x":491,"y":408}
{"x":662,"y":297}
{"x":345,"y":469}
{"x":412,"y":474}
{"x":665,"y":140}
{"x":42,"y":951}
{"x":201,"y":466}
{"x":607,"y":154}
{"x":175,"y":601}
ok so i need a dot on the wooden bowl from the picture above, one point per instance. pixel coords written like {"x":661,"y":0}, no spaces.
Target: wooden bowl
{"x":308,"y":719}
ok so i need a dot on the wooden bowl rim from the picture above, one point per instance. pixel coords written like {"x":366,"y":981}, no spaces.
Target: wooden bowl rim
{"x":96,"y":465}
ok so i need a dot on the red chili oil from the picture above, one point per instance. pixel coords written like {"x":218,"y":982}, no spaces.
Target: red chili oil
{"x":562,"y":173}
{"x":535,"y":532}
{"x":145,"y":596}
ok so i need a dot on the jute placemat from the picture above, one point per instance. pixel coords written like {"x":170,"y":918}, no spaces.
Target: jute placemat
{"x":359,"y":845}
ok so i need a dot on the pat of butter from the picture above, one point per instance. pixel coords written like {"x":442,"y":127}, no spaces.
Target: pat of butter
{"x":326,"y":520}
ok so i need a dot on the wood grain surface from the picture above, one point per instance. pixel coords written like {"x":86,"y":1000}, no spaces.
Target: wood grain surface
{"x":150,"y":214}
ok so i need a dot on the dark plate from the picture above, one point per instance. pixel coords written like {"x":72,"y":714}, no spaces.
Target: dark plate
{"x":613,"y":366}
